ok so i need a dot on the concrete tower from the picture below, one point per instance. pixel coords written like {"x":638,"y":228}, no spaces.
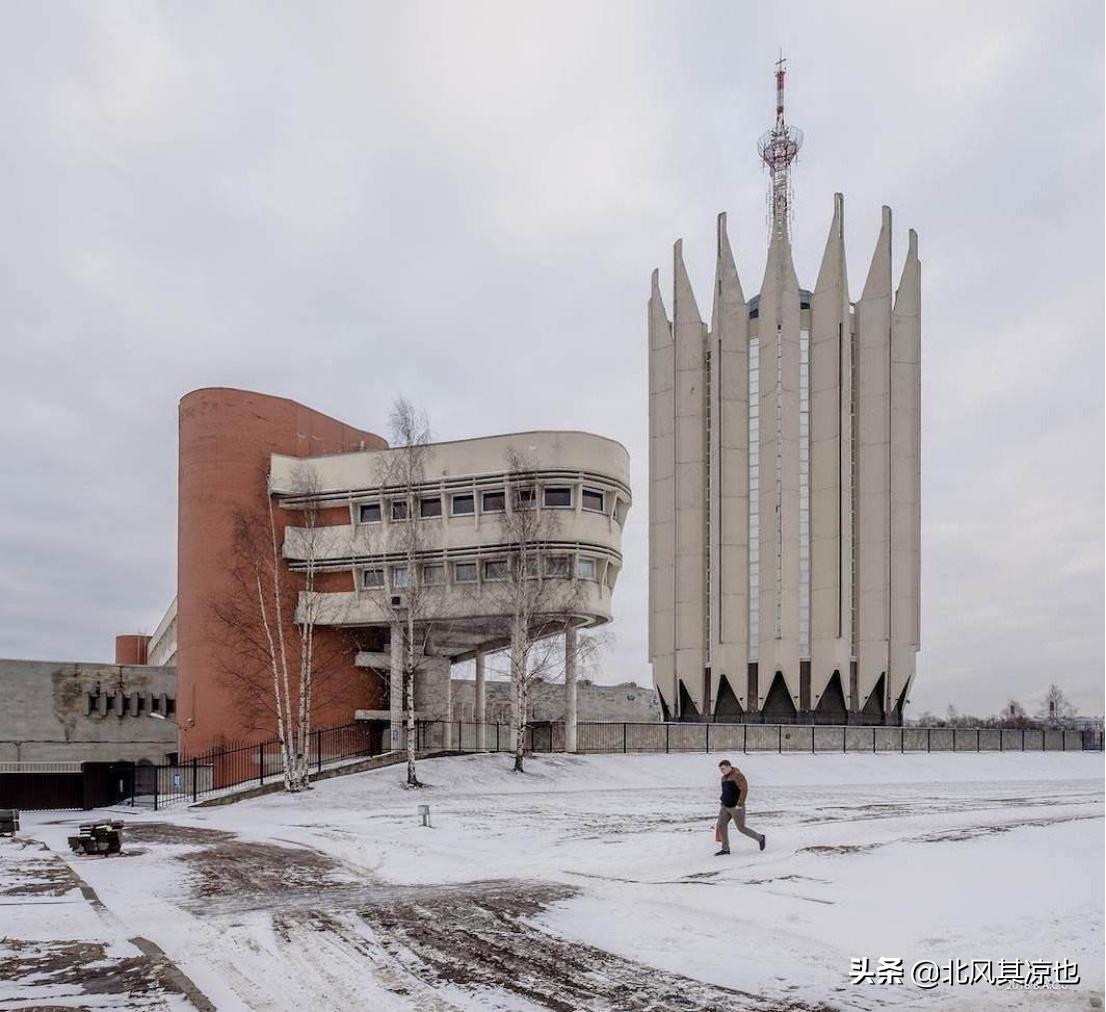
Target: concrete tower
{"x":784,"y":481}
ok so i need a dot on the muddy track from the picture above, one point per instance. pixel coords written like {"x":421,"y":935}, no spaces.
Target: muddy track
{"x":478,"y":937}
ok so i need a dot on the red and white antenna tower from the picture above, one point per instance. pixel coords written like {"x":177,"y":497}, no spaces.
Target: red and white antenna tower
{"x":778,"y":148}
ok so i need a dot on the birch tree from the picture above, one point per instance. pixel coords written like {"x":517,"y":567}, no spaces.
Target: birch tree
{"x":534,"y":590}
{"x":270,"y":622}
{"x":415,"y":606}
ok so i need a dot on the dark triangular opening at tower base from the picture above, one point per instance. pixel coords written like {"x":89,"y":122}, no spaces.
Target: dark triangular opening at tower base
{"x":896,"y":713}
{"x":688,"y":710}
{"x":873,"y":709}
{"x":831,"y":708}
{"x":779,"y":707}
{"x":666,"y":716}
{"x":726,"y":706}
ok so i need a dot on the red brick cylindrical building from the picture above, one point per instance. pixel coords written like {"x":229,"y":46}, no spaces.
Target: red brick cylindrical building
{"x":226,"y":438}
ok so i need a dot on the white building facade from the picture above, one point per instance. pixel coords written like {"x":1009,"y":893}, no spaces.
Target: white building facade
{"x":785,"y":490}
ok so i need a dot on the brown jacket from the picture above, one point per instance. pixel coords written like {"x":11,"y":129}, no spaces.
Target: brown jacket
{"x":735,"y":776}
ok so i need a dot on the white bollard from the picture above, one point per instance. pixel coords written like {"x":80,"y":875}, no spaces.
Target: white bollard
{"x":424,"y":816}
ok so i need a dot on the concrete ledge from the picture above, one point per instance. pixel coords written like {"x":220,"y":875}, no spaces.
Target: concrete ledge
{"x":358,"y":766}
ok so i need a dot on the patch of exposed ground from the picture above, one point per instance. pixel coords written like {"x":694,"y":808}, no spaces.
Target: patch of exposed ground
{"x":167,"y":832}
{"x":68,"y":974}
{"x":479,"y":937}
{"x":32,"y":871}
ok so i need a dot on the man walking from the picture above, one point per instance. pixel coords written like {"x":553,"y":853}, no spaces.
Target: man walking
{"x":735,"y":788}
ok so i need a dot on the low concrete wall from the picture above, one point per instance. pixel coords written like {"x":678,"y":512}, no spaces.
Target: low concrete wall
{"x":625,"y":702}
{"x":74,"y":712}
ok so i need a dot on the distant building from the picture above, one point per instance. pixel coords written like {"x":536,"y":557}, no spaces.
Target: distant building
{"x":784,"y":482}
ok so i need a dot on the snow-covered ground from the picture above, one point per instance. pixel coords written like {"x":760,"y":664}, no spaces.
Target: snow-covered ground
{"x":590,"y":883}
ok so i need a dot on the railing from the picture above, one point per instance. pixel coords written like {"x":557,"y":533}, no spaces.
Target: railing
{"x":594,"y":737}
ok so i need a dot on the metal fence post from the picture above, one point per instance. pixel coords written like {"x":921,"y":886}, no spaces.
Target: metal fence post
{"x":812,"y":739}
{"x":261,"y":764}
{"x":977,"y":739}
{"x":1023,"y":739}
{"x":708,"y":738}
{"x":928,"y":731}
{"x":873,"y":738}
{"x":745,"y":739}
{"x":497,"y":735}
{"x":666,"y":727}
{"x":844,"y":738}
{"x":319,"y":751}
{"x":195,"y":783}
{"x":624,"y":737}
{"x":779,"y":727}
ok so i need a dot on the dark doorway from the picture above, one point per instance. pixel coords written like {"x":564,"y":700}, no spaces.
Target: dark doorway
{"x":726,"y":706}
{"x":831,"y":708}
{"x":779,"y":707}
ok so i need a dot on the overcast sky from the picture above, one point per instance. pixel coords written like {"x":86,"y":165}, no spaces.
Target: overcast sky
{"x":462,"y":203}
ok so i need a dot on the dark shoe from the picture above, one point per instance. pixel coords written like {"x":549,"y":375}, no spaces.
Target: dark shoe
{"x":721,"y":852}
{"x":762,"y":839}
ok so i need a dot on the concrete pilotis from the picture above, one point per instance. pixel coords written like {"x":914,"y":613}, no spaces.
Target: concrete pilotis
{"x":395,"y":686}
{"x":480,"y":706}
{"x":570,"y":689}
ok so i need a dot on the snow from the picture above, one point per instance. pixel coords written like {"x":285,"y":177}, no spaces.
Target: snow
{"x":315,"y":900}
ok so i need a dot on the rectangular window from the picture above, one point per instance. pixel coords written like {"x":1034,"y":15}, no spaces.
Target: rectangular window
{"x":493,"y":502}
{"x":170,"y":706}
{"x":399,"y":509}
{"x":496,"y":569}
{"x":369,"y":513}
{"x":594,"y":500}
{"x":372,"y":578}
{"x":585,"y":569}
{"x":155,"y":704}
{"x":464,"y":572}
{"x":558,"y":565}
{"x":525,"y":498}
{"x":532,"y":568}
{"x":399,"y":577}
{"x":430,"y":507}
{"x":433,"y":576}
{"x":463,"y":505}
{"x":558,"y":495}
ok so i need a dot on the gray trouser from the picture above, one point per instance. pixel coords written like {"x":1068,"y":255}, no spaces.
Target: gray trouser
{"x":737,"y":813}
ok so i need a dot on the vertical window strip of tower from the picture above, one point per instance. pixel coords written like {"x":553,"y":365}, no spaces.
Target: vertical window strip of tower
{"x":708,"y":532}
{"x":778,"y":609}
{"x":854,"y":513}
{"x":804,"y":495}
{"x":754,"y":498}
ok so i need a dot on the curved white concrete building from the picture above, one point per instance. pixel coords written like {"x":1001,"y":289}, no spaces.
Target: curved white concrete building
{"x":458,"y":509}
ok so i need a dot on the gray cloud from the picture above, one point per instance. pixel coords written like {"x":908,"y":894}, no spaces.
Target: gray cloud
{"x":462,"y":203}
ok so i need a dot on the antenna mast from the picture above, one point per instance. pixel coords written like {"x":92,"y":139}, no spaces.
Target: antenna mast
{"x":778,"y":148}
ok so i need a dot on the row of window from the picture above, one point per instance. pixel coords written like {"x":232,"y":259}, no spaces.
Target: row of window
{"x":494,"y":570}
{"x":492,"y":501}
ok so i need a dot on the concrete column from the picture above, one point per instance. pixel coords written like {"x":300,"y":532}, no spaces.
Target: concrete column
{"x":662,"y":497}
{"x":395,"y":680}
{"x":729,"y":461}
{"x":480,"y":716}
{"x":873,"y":493}
{"x":570,"y":689}
{"x":691,"y":490}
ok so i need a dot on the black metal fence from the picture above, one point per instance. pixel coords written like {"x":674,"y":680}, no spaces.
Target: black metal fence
{"x":594,"y":737}
{"x":31,"y":786}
